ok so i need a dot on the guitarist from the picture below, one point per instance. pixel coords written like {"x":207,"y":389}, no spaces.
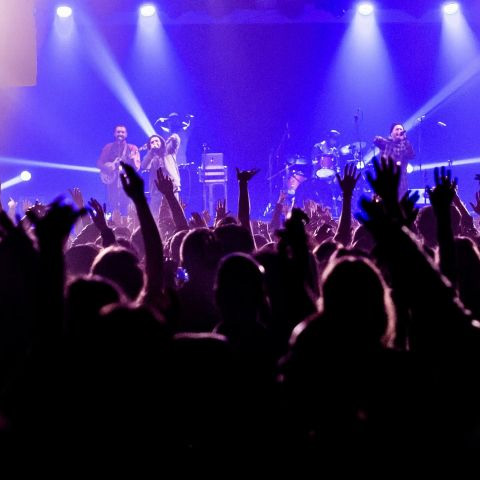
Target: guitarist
{"x":109,"y":164}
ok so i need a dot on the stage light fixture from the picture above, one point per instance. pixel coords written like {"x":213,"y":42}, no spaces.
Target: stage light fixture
{"x":148,"y":10}
{"x":26,"y":176}
{"x":451,"y":8}
{"x":64,"y":11}
{"x":365,"y":8}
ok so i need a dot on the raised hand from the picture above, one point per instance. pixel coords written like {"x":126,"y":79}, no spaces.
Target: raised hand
{"x":164,"y":183}
{"x":26,"y":204}
{"x":37,"y":209}
{"x":386,"y":181}
{"x":407,"y":204}
{"x":374,"y":217}
{"x":132,"y":183}
{"x":246,"y":175}
{"x":206,"y":217}
{"x":77,"y":197}
{"x":12,"y":205}
{"x":441,"y":197}
{"x":197,"y":221}
{"x":54,"y":227}
{"x":349,"y":180}
{"x":220,"y":210}
{"x":476,"y":206}
{"x":97,"y":214}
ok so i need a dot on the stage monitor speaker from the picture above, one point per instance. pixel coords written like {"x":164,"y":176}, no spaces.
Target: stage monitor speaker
{"x":18,"y":46}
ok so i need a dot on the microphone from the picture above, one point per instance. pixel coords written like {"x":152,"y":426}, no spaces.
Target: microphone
{"x":403,"y":133}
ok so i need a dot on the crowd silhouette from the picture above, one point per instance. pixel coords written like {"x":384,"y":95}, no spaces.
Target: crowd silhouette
{"x":304,"y":340}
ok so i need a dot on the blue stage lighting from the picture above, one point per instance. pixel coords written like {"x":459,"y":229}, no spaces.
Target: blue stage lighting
{"x":64,"y":11}
{"x":451,"y":8}
{"x":148,"y":10}
{"x":365,"y":8}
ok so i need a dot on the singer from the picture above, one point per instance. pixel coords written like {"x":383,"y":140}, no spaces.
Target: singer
{"x":152,"y":161}
{"x":398,"y":148}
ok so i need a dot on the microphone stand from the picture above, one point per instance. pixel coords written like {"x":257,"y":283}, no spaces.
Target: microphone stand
{"x":420,"y":154}
{"x":360,"y":157}
{"x":274,"y":161}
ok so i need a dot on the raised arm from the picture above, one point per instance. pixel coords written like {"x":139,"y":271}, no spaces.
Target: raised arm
{"x":347,"y":185}
{"x":79,"y":202}
{"x":166,"y":188}
{"x":97,"y":214}
{"x":133,"y":185}
{"x":52,"y":231}
{"x":243,"y":178}
{"x":441,"y":198}
{"x":277,"y":213}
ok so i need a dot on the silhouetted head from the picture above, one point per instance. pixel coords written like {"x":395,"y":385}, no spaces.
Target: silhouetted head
{"x":85,"y":297}
{"x":363,"y":239}
{"x":79,"y":259}
{"x":468,"y":268}
{"x":427,"y":224}
{"x":234,"y":238}
{"x":120,"y":266}
{"x":240,"y":285}
{"x":228,"y":220}
{"x":324,"y":251}
{"x":357,"y":304}
{"x":200,"y":252}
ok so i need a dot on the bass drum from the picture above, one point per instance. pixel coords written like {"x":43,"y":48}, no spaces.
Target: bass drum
{"x":320,"y":191}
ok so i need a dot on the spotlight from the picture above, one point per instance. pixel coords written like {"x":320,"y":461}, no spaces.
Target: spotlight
{"x":26,"y":176}
{"x":148,"y":10}
{"x":23,"y":177}
{"x":451,"y":8}
{"x":409,"y":168}
{"x":64,"y":11}
{"x":365,"y":8}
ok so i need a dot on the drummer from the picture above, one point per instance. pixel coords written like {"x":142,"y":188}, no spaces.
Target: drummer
{"x":327,"y":147}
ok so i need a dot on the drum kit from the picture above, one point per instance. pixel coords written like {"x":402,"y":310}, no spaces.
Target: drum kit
{"x":315,"y":179}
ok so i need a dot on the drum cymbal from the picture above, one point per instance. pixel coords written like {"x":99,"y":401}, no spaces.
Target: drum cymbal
{"x":298,"y":160}
{"x":353,"y":147}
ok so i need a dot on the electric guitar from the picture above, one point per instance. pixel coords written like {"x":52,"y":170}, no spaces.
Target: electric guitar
{"x":109,"y":172}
